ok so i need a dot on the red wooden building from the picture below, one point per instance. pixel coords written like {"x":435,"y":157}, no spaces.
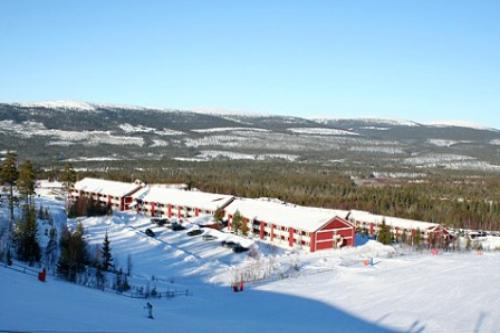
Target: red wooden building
{"x":289,"y":225}
{"x":164,"y":201}
{"x":365,"y":221}
{"x":117,"y":195}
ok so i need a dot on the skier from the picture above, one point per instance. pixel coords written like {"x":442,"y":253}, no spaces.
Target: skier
{"x":149,"y":308}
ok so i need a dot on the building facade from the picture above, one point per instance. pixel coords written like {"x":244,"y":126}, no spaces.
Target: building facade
{"x":117,"y":195}
{"x":161,"y":201}
{"x":290,"y":226}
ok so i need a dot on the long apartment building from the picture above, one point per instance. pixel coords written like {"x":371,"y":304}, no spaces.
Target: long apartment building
{"x":162,"y":201}
{"x":117,"y":195}
{"x":289,"y":225}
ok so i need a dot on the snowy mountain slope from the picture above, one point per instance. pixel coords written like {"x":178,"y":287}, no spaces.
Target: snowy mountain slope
{"x":71,"y":130}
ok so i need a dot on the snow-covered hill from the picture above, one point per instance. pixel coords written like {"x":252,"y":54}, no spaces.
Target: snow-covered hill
{"x":83,"y":131}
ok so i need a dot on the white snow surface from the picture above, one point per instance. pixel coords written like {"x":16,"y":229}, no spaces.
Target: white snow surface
{"x":450,"y":161}
{"x":207,"y":155}
{"x":442,"y":142}
{"x":69,"y":105}
{"x":126,"y":127}
{"x":29,"y":129}
{"x":495,"y":142}
{"x":321,"y":131}
{"x":230,"y":129}
{"x":375,"y":121}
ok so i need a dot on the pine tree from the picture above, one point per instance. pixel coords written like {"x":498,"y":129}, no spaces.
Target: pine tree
{"x":107,"y":259}
{"x":219,"y":214}
{"x":73,"y":253}
{"x":236,"y":222}
{"x":9,"y":175}
{"x":68,"y":178}
{"x":26,"y":180}
{"x":244,"y":227}
{"x":418,"y":238}
{"x":51,"y":248}
{"x":129,"y":265}
{"x":40,"y":213}
{"x":27,"y":245}
{"x":384,"y":235}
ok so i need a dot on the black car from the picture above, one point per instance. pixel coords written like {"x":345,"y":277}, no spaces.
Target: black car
{"x":159,"y":221}
{"x":195,"y":232}
{"x":208,"y":237}
{"x":238,"y":249}
{"x":229,"y":244}
{"x":149,"y":232}
{"x":177,"y":227}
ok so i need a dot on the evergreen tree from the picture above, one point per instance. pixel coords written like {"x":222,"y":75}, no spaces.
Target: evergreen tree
{"x":236,"y":222}
{"x":73,"y":256}
{"x":418,"y":239}
{"x":219,"y":214}
{"x":129,"y":265}
{"x":27,"y":245}
{"x":40,"y":213}
{"x":121,"y":281}
{"x":9,"y":175}
{"x":244,"y":227}
{"x":26,"y":181}
{"x":107,"y":258}
{"x":384,"y":235}
{"x":51,"y":248}
{"x":68,"y":178}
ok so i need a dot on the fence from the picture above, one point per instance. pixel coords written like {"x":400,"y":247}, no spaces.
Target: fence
{"x":136,"y":292}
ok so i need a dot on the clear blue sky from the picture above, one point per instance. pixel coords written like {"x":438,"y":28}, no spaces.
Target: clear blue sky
{"x":421,"y":60}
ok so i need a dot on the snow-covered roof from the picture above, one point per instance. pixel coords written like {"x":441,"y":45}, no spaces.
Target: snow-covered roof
{"x":363,"y":216}
{"x":184,"y":198}
{"x":284,"y":214}
{"x":107,"y":187}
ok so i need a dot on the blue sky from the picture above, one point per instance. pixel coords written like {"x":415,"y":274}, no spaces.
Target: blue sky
{"x":422,"y":60}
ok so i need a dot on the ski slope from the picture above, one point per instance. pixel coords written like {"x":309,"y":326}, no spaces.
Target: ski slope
{"x":329,"y":291}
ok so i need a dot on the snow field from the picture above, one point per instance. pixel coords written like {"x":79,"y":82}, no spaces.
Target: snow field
{"x":325,"y":291}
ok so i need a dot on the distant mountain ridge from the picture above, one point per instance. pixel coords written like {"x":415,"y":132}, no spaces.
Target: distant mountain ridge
{"x":100,"y":133}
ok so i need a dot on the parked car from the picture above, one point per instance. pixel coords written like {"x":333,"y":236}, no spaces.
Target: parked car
{"x":238,"y":249}
{"x":160,"y":221}
{"x":149,"y":232}
{"x":177,"y":227}
{"x":208,"y":237}
{"x":229,"y":244}
{"x":194,"y":232}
